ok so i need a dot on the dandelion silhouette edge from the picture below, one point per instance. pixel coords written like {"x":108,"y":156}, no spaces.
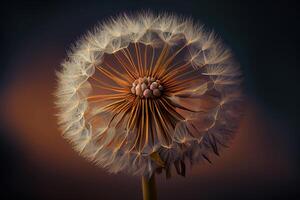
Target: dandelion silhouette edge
{"x":146,"y":92}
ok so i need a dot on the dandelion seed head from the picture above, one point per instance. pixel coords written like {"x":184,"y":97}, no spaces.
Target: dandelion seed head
{"x":144,"y":92}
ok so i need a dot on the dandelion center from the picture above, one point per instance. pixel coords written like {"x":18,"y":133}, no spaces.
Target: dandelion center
{"x":147,"y":87}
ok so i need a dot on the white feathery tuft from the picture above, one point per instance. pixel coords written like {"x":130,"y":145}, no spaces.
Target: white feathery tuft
{"x":195,"y":137}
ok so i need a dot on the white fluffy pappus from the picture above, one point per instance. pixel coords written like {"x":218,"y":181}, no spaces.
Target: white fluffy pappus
{"x":147,"y":92}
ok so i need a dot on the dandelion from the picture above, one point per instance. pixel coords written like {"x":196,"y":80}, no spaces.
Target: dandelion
{"x":147,"y":93}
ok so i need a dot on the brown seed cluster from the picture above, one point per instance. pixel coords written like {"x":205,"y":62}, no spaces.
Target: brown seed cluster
{"x":147,"y":87}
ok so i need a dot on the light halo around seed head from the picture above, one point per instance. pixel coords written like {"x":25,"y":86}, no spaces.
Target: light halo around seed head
{"x":148,"y":92}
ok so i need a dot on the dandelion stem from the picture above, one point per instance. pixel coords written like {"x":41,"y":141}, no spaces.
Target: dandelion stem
{"x":149,"y":188}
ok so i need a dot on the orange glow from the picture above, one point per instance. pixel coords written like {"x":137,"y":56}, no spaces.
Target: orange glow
{"x":29,"y":114}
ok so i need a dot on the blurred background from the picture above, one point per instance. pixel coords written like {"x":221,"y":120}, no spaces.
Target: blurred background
{"x":261,"y":163}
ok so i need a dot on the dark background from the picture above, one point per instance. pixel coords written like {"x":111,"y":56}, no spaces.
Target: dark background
{"x":263,"y":161}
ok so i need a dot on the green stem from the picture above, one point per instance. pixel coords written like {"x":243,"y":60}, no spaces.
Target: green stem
{"x":149,"y":188}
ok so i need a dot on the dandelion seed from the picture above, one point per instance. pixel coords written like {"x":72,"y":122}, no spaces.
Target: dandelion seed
{"x":146,"y":93}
